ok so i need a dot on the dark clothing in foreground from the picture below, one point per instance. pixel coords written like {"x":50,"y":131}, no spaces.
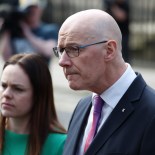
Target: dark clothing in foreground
{"x":126,"y":132}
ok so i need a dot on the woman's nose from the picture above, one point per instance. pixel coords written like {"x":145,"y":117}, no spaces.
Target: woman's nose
{"x":7,"y":92}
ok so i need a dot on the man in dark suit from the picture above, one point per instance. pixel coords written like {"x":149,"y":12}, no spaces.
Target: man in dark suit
{"x":89,"y":48}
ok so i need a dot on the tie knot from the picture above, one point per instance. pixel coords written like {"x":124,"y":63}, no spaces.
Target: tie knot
{"x":98,"y":103}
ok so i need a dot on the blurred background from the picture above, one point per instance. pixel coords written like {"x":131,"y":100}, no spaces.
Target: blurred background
{"x":142,"y":21}
{"x":139,"y":18}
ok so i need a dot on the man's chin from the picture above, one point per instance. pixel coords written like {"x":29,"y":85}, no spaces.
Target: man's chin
{"x":73,"y":86}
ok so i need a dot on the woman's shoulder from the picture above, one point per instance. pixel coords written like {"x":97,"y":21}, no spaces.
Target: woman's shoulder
{"x":56,"y":137}
{"x":54,"y":144}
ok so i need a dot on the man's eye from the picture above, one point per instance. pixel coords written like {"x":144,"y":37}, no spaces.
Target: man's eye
{"x":62,"y":50}
{"x":71,"y":49}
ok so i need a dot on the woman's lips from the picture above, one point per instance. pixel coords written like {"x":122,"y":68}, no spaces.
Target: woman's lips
{"x":7,"y":105}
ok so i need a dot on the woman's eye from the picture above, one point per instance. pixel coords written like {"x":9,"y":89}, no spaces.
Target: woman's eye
{"x":18,"y":89}
{"x":3,"y":85}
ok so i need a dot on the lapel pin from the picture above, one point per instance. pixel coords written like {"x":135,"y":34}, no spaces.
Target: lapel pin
{"x":123,"y":109}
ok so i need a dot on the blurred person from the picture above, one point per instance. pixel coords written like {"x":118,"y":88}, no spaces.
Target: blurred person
{"x":42,"y":36}
{"x":120,"y":10}
{"x":26,"y":33}
{"x":5,"y":46}
{"x":28,"y":122}
{"x":12,"y":2}
{"x":11,"y":31}
{"x":118,"y":117}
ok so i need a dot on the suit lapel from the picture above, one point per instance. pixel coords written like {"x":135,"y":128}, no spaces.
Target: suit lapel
{"x":114,"y":121}
{"x":118,"y":116}
{"x":80,"y":120}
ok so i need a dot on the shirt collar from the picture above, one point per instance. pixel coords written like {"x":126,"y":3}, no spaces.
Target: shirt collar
{"x":113,"y":94}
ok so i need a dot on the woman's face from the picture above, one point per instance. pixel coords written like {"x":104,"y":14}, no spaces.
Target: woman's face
{"x":16,"y":93}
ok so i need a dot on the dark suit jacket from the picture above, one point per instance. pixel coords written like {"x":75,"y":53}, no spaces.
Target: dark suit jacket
{"x":131,"y":132}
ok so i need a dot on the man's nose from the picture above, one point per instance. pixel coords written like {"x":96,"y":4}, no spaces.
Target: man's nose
{"x":64,"y":60}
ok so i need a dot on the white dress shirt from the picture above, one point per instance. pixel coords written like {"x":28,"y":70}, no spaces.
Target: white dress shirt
{"x":111,"y":97}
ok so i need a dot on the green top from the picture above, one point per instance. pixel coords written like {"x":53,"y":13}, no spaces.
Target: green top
{"x":15,"y":144}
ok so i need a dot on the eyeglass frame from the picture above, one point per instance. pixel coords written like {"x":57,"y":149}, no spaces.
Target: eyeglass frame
{"x":57,"y":50}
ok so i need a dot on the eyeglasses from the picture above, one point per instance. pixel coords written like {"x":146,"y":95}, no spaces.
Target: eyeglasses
{"x":72,"y":51}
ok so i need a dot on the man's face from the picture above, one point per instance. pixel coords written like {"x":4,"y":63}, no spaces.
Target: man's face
{"x":86,"y":71}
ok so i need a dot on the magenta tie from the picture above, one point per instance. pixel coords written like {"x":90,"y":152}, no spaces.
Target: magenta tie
{"x":98,"y":104}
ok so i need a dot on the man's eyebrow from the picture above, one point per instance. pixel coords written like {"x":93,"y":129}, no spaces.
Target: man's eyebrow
{"x":72,"y":44}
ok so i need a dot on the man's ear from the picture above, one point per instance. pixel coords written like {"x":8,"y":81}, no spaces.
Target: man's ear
{"x":111,"y":49}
